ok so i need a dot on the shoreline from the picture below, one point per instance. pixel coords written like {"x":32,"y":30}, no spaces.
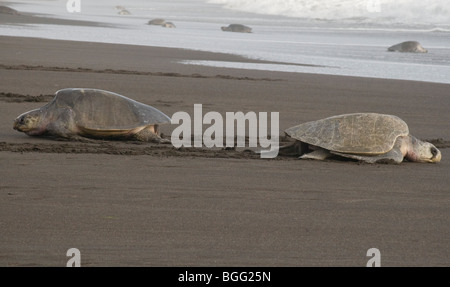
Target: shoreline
{"x":285,"y":60}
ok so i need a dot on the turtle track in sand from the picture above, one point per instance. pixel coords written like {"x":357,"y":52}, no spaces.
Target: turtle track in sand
{"x":131,"y":148}
{"x":439,"y":143}
{"x":18,"y":98}
{"x":136,"y":148}
{"x":126,"y":72}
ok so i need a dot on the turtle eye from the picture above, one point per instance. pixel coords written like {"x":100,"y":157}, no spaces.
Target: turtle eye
{"x":434,"y":151}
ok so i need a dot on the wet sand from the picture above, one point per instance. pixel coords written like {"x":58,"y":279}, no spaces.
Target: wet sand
{"x":134,"y":204}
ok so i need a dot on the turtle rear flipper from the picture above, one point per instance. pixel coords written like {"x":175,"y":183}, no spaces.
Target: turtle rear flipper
{"x":318,"y":154}
{"x":150,"y":134}
{"x":297,"y":148}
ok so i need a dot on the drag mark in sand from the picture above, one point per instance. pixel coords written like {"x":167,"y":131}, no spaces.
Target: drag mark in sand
{"x":18,"y":98}
{"x":132,"y":148}
{"x":159,"y":150}
{"x":128,"y":149}
{"x":127,"y":72}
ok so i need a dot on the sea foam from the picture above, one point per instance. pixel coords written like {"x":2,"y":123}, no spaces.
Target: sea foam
{"x":398,"y":11}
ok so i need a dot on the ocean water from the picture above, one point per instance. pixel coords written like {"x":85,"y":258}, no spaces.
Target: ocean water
{"x":338,"y":37}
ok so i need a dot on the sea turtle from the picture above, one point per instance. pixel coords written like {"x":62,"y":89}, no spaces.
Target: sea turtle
{"x":124,"y":12}
{"x":237,"y":28}
{"x":92,"y":113}
{"x":408,"y":47}
{"x":158,"y":22}
{"x":368,"y":137}
{"x":7,"y":10}
{"x":161,"y":22}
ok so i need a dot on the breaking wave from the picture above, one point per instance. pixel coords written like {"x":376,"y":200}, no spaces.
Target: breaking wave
{"x":398,"y":11}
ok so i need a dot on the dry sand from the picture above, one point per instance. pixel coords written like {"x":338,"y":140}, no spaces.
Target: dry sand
{"x":128,"y":204}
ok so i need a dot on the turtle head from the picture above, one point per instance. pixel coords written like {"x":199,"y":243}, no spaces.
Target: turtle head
{"x":30,"y":123}
{"x":421,"y":151}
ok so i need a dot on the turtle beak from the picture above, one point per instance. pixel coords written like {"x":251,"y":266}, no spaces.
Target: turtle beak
{"x":436,"y":155}
{"x":16,"y":124}
{"x":19,"y":124}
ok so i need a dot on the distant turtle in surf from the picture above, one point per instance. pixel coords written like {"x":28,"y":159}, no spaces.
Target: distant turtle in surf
{"x":92,"y":113}
{"x":237,"y":28}
{"x":157,"y":22}
{"x":7,"y":10}
{"x":168,"y":25}
{"x":161,"y":22}
{"x":367,"y":137}
{"x":124,"y":12}
{"x":408,"y":47}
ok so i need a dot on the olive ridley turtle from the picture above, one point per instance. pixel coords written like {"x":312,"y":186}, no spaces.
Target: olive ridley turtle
{"x":367,"y":137}
{"x":162,"y":23}
{"x":237,"y":28}
{"x":408,"y":47}
{"x":93,"y":113}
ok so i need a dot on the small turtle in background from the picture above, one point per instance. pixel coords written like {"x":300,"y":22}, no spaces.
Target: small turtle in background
{"x":237,"y":28}
{"x":124,"y":12}
{"x":92,"y":113}
{"x":161,"y":22}
{"x":408,"y":47}
{"x":157,"y":22}
{"x":367,"y":137}
{"x":7,"y":10}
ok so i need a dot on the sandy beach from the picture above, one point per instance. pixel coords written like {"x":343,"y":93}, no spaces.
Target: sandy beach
{"x":129,"y":204}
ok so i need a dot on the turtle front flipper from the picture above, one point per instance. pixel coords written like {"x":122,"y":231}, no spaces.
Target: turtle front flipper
{"x":63,"y":124}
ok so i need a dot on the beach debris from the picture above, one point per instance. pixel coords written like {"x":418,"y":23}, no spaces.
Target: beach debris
{"x":76,"y":114}
{"x":408,"y":47}
{"x":7,"y":10}
{"x":366,"y":137}
{"x":161,"y":22}
{"x":237,"y":28}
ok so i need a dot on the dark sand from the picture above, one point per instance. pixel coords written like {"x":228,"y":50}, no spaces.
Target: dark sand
{"x":128,"y":204}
